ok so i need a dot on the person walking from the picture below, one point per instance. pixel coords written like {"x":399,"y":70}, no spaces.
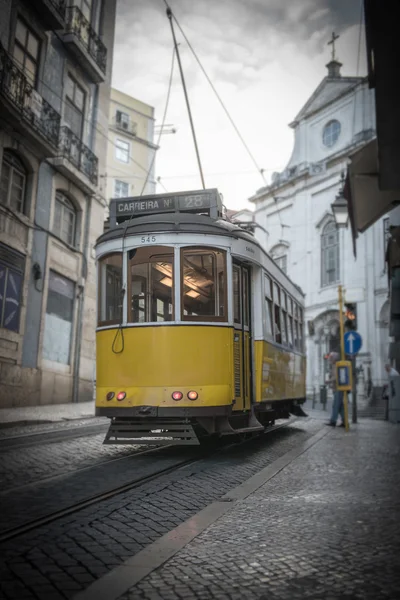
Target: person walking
{"x":338,"y":406}
{"x":391,"y":371}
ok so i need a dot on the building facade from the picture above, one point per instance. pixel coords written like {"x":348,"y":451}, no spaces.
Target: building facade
{"x":55,"y":74}
{"x":131,"y":150}
{"x":297,"y":227}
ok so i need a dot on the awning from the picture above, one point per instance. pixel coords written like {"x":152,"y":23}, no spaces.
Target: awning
{"x":367,"y":203}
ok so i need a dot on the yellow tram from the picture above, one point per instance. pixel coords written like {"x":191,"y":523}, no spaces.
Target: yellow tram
{"x":199,"y":331}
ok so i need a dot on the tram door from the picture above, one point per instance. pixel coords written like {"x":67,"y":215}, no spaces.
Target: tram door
{"x":242,"y":337}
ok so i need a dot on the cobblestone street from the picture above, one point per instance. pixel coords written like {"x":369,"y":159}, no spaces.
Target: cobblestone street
{"x":325,"y":527}
{"x":58,"y":559}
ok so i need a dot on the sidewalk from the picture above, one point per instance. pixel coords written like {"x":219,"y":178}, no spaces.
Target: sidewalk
{"x":320,"y":523}
{"x":34,"y":415}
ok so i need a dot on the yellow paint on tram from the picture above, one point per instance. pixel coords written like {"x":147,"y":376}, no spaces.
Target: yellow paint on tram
{"x":280,"y":373}
{"x":157,"y":361}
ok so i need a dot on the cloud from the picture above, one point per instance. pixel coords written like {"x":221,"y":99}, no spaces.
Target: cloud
{"x":265,"y":58}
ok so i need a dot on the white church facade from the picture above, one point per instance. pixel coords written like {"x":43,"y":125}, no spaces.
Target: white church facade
{"x":297,"y":227}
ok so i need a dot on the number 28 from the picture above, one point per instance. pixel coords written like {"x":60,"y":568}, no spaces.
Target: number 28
{"x":148,"y":239}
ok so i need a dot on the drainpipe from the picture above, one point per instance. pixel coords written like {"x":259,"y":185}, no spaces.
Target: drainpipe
{"x":81,"y":300}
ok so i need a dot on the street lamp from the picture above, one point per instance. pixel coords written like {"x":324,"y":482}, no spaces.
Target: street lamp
{"x":340,"y":208}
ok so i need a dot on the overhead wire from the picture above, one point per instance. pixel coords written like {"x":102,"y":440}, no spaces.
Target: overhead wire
{"x":259,"y":170}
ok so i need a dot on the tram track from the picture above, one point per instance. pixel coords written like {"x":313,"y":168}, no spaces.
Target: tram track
{"x":37,"y":438}
{"x":19,"y":530}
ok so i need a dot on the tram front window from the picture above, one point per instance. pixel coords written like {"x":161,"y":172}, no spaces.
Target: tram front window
{"x":203,"y":283}
{"x":151,"y":284}
{"x":110,"y":289}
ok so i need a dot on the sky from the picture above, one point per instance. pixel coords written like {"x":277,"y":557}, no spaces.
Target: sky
{"x":264,"y":57}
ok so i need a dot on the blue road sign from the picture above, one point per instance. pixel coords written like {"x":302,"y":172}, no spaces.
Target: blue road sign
{"x":352,"y":342}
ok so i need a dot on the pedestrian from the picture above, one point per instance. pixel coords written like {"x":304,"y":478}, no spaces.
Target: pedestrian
{"x":391,"y":371}
{"x":338,"y":406}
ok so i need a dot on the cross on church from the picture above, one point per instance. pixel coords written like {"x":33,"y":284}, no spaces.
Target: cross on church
{"x":332,"y":42}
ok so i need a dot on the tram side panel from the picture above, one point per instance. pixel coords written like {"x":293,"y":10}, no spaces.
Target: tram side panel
{"x":157,"y":361}
{"x":280,"y":373}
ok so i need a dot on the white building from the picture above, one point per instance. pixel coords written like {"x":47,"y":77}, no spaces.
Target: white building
{"x":297,"y":227}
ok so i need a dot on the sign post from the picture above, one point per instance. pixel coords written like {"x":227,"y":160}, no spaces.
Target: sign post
{"x":352,"y":346}
{"x":342,"y":356}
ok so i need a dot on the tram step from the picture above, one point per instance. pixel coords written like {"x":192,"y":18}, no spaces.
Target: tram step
{"x":244,"y":430}
{"x":151,"y":434}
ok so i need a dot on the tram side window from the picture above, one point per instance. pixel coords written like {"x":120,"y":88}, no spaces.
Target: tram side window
{"x":301,"y":330}
{"x":151,"y":273}
{"x":203,"y":284}
{"x":237,"y":296}
{"x":268,"y":320}
{"x":110,"y":289}
{"x":277,"y":315}
{"x":296,"y":327}
{"x":284,"y":319}
{"x":290,"y":322}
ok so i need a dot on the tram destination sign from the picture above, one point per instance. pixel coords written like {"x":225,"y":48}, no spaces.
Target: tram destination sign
{"x":197,"y":201}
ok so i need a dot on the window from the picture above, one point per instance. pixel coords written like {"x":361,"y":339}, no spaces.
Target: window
{"x":268,"y":321}
{"x":331,"y":133}
{"x":74,"y":106}
{"x":122,"y":119}
{"x":26,"y":51}
{"x":12,"y":182}
{"x":277,"y":315}
{"x":284,"y":318}
{"x":121,"y":189}
{"x":151,"y":284}
{"x":122,"y":151}
{"x":64,"y":219}
{"x":237,"y":296}
{"x":279,"y":255}
{"x":246,"y":299}
{"x":110,"y":286}
{"x":281,"y":261}
{"x":58,"y":322}
{"x":330,"y":254}
{"x":290,"y":321}
{"x":12,"y":265}
{"x":203,"y":275}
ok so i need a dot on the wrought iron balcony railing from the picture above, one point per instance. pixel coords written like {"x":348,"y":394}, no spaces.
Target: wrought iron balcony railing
{"x":80,"y":26}
{"x":78,"y":154}
{"x":34,"y":110}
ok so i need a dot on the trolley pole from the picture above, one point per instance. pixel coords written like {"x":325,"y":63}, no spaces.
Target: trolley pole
{"x":342,"y":354}
{"x":170,"y":17}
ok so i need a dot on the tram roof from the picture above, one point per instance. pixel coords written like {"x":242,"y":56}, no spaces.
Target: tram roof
{"x":176,"y":222}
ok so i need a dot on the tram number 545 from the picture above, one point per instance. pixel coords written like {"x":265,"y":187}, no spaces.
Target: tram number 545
{"x":149,"y":239}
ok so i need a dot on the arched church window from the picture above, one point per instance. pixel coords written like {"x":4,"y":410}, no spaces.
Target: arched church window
{"x":279,"y":255}
{"x":331,"y":133}
{"x":329,"y":255}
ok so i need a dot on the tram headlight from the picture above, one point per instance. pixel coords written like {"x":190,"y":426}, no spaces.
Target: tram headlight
{"x":121,"y":396}
{"x":192,"y":395}
{"x":177,"y":395}
{"x":110,"y":395}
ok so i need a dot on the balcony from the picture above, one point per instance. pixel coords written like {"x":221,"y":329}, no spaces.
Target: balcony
{"x":25,"y":110}
{"x":84,"y":43}
{"x":76,"y":161}
{"x":52,"y":13}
